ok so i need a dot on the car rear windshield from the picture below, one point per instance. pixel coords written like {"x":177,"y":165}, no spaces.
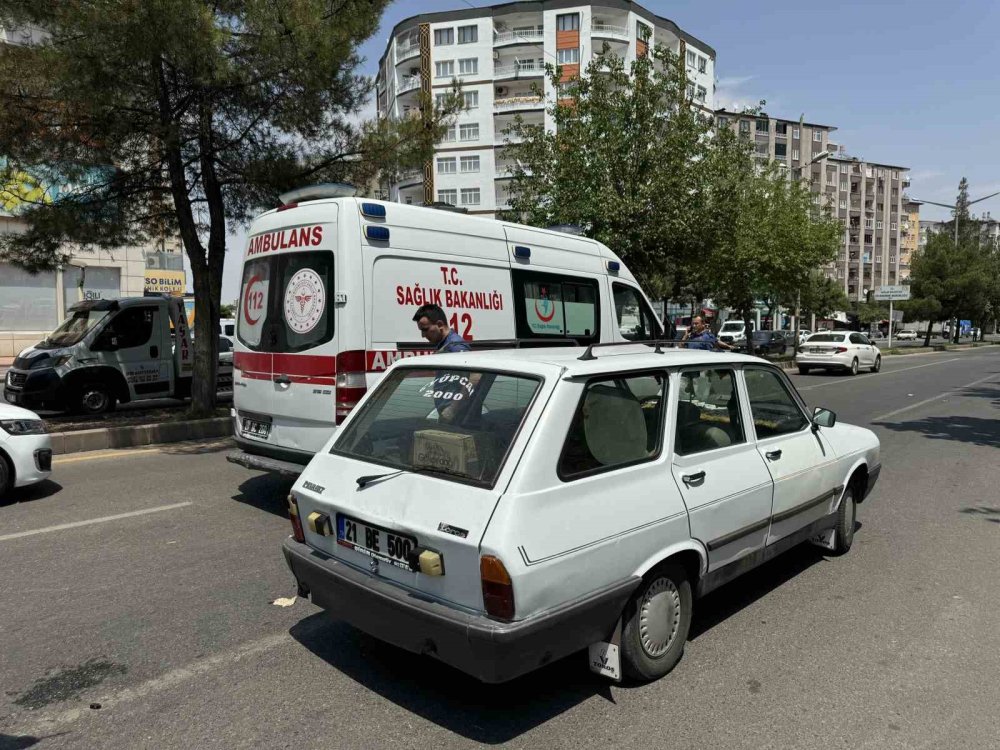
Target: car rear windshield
{"x":457,"y":424}
{"x":819,"y":338}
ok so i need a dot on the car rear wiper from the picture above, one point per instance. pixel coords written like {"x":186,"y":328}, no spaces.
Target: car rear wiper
{"x":369,"y":478}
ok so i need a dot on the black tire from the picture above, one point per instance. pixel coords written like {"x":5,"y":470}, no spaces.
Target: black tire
{"x":6,"y":476}
{"x":847,"y":514}
{"x":803,"y":370}
{"x":854,"y":366}
{"x":94,"y":398}
{"x":657,"y":621}
{"x":878,"y":363}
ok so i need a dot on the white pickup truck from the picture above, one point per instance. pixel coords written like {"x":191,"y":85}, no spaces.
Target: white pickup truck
{"x":108,"y":352}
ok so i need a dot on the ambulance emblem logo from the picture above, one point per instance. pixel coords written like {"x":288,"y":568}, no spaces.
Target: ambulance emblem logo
{"x":305,"y":300}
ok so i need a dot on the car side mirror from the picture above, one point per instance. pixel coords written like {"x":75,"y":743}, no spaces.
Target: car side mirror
{"x":823,"y":418}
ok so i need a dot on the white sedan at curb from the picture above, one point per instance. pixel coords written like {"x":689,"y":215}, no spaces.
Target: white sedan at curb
{"x":841,"y":350}
{"x":25,"y":448}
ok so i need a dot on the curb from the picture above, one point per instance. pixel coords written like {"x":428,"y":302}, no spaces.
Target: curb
{"x":133,"y":437}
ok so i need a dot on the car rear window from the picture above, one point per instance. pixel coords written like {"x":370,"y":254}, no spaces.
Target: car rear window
{"x":826,"y":337}
{"x":457,"y":424}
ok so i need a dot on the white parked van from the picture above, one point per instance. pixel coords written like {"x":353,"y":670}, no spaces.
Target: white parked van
{"x":330,"y":286}
{"x":733,"y":332}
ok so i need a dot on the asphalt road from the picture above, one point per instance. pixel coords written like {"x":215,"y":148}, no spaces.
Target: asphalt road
{"x":140,"y":587}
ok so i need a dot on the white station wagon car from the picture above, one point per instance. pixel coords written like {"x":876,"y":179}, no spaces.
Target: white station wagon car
{"x":841,"y":350}
{"x":499,"y":510}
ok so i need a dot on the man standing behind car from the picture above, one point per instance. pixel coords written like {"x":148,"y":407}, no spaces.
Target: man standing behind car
{"x":700,"y":336}
{"x":433,"y":325}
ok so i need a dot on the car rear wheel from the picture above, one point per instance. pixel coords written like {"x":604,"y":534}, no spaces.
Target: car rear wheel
{"x":657,"y":621}
{"x":6,"y":476}
{"x":803,"y":370}
{"x":878,"y":364}
{"x":847,"y":516}
{"x":854,"y":366}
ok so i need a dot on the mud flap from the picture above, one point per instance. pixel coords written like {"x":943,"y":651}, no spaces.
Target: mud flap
{"x":605,"y":657}
{"x":825,"y":539}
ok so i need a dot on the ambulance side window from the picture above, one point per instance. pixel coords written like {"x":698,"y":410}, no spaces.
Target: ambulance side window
{"x":636,"y":321}
{"x":555,"y":306}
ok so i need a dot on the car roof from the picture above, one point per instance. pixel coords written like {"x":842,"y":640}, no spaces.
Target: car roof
{"x":565,"y":360}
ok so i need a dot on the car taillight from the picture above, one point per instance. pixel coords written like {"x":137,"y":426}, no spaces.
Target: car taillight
{"x":293,"y":513}
{"x":498,"y":592}
{"x":840,"y":350}
{"x":351,"y":382}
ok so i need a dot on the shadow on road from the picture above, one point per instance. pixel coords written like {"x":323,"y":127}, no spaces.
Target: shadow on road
{"x":983,"y":511}
{"x":197,"y":448}
{"x":266,"y":492}
{"x":975,"y":430}
{"x":45,"y":488}
{"x":492,"y":714}
{"x":725,"y":602}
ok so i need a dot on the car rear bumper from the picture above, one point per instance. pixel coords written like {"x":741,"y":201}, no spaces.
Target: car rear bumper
{"x":265,"y":463}
{"x":489,"y":650}
{"x":839,"y":361}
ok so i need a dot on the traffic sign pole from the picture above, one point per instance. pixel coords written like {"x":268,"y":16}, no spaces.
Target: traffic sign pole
{"x":890,"y":324}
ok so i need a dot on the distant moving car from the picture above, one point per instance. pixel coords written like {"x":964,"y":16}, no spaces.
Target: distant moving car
{"x":846,"y":350}
{"x":906,"y":336}
{"x":769,"y":342}
{"x":25,"y":448}
{"x":804,"y":333}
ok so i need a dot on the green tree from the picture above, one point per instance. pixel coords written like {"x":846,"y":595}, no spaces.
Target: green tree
{"x":227,"y":311}
{"x":625,"y":162}
{"x":821,"y":295}
{"x":183,"y":115}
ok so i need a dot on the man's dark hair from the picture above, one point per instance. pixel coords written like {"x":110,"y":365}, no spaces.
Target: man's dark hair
{"x":433,"y":313}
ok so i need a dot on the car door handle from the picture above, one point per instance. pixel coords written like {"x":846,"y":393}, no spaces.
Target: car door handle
{"x":282,"y":380}
{"x":773,"y":455}
{"x":696,"y":478}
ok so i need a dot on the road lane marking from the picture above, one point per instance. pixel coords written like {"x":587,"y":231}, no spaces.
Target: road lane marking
{"x":102,"y":519}
{"x":884,"y":372}
{"x":104,"y":454}
{"x":169,"y":448}
{"x":953,"y":392}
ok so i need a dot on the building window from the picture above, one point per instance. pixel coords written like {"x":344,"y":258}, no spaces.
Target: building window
{"x":795,"y":132}
{"x":568,"y":22}
{"x":443,"y":37}
{"x":469,"y":66}
{"x":471,"y":99}
{"x":690,"y":91}
{"x":701,"y":94}
{"x":763,"y":126}
{"x":568,"y":56}
{"x":444,"y":69}
{"x":470,"y":196}
{"x":468,"y":34}
{"x":449,"y":135}
{"x":878,"y":224}
{"x":843,"y":203}
{"x":723,"y":122}
{"x":470,"y":164}
{"x":781,"y":128}
{"x":795,"y":154}
{"x":692,"y":58}
{"x":448,"y":196}
{"x":843,"y":169}
{"x":892,"y":226}
{"x":781,"y":150}
{"x":702,"y":64}
{"x":868,"y":224}
{"x":744,"y":126}
{"x":642,"y":32}
{"x":818,"y":136}
{"x":440,"y":99}
{"x":446,"y":166}
{"x":469,"y":132}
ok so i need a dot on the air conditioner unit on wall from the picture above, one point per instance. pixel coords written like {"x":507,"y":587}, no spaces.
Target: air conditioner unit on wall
{"x":501,"y":90}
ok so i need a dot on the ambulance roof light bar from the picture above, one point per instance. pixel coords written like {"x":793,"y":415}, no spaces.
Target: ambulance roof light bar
{"x":315,"y":192}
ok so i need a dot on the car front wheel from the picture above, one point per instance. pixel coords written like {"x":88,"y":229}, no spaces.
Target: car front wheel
{"x":94,"y":399}
{"x":847,"y":516}
{"x":878,"y":364}
{"x":803,"y":370}
{"x":657,"y":621}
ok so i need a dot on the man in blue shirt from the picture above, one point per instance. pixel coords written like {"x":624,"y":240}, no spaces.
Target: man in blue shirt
{"x":433,"y":325}
{"x":700,"y":336}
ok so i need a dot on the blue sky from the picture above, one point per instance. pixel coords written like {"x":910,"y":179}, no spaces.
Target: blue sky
{"x":911,"y":84}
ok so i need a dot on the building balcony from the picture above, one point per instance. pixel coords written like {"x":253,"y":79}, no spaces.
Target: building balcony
{"x":608,"y":31}
{"x":408,"y":83}
{"x":413,"y":177}
{"x":512,"y":103}
{"x":519,"y":70}
{"x":405,"y":52}
{"x":517,"y":37}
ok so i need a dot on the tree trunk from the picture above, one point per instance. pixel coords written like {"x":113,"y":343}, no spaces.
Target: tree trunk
{"x":204,"y":384}
{"x":747,"y":330}
{"x":927,"y":336}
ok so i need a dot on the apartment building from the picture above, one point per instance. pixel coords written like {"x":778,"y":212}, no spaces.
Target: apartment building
{"x":498,"y":53}
{"x":909,"y":236}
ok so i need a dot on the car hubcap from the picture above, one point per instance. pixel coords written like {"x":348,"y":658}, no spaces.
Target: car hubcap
{"x":854,"y":366}
{"x":659,"y":616}
{"x":94,"y":400}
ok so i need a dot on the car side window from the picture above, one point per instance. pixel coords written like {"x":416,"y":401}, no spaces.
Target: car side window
{"x":617,"y":423}
{"x":636,"y":321}
{"x":856,"y":338}
{"x":708,"y":412}
{"x":775,"y":411}
{"x":865,"y":340}
{"x":132,"y":327}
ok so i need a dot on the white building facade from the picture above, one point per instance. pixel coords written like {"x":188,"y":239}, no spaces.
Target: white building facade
{"x":498,"y":53}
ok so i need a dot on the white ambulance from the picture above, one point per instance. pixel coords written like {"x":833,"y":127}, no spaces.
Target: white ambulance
{"x":331,"y":283}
